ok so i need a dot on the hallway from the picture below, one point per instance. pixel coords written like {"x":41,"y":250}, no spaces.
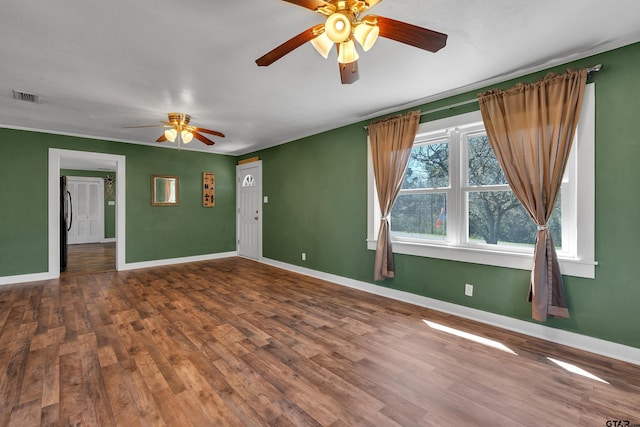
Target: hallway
{"x":90,"y":258}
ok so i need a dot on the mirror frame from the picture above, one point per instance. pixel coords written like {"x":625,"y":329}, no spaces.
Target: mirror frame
{"x":167,"y":179}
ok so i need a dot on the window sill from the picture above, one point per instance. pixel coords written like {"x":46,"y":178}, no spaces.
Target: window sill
{"x":522,"y":261}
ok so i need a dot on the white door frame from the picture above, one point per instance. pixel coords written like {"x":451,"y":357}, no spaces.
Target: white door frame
{"x":55,"y":156}
{"x":239,"y":169}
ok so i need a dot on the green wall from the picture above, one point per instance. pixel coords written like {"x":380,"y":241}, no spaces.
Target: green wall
{"x":109,"y":210}
{"x":23,"y":205}
{"x":153,"y":232}
{"x":317,"y":189}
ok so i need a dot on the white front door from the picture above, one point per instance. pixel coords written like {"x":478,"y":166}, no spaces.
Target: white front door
{"x":249,"y":219}
{"x":87,"y":207}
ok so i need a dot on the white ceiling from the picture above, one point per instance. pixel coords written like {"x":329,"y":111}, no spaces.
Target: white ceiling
{"x":99,"y":66}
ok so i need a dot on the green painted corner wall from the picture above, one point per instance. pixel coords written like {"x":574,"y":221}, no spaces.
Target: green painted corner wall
{"x":109,"y":210}
{"x":164,"y":232}
{"x":153,"y":232}
{"x":317,"y":188}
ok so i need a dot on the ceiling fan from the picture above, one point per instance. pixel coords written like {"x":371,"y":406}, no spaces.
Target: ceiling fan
{"x":343,"y":25}
{"x":178,"y":127}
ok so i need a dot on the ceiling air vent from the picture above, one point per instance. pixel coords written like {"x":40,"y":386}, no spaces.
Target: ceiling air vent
{"x":24,"y":96}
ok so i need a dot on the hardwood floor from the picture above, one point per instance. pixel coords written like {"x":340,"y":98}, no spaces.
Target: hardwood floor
{"x":235,"y":342}
{"x":90,"y":258}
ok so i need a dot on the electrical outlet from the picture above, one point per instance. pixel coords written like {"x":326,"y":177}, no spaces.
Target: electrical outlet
{"x":304,"y":256}
{"x":468,"y":290}
{"x":265,"y":199}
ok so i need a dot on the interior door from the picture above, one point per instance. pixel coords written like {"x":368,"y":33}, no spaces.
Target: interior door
{"x":87,"y":210}
{"x":249,"y":211}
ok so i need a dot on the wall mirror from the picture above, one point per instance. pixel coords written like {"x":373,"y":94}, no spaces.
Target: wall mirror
{"x":165,"y":190}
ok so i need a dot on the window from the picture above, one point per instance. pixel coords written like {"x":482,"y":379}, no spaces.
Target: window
{"x":249,"y":181}
{"x":455,"y":202}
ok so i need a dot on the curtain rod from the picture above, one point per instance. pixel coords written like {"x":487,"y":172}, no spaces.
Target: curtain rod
{"x":590,"y":70}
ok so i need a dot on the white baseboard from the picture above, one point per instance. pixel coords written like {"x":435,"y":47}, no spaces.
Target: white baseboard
{"x":23,"y":278}
{"x":108,"y":240}
{"x":594,"y":345}
{"x":183,"y":260}
{"x":6,"y":280}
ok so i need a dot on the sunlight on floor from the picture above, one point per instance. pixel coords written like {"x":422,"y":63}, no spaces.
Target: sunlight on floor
{"x":574,"y":369}
{"x":471,"y":337}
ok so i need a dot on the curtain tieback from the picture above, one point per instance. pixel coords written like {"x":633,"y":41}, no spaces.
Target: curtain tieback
{"x":384,"y":218}
{"x":543,"y":227}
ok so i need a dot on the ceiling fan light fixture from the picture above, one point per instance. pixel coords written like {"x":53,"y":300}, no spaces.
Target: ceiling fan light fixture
{"x":186,"y":136}
{"x":343,"y":27}
{"x":171,"y":134}
{"x":323,"y":44}
{"x":338,"y":27}
{"x":347,"y":52}
{"x":366,"y":33}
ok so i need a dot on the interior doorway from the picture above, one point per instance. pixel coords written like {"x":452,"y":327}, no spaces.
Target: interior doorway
{"x":87,"y":216}
{"x":81,"y":160}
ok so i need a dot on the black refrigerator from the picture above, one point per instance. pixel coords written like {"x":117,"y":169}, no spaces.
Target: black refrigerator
{"x":66,"y":218}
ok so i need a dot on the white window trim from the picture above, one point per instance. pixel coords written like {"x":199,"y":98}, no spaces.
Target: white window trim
{"x":582,"y":264}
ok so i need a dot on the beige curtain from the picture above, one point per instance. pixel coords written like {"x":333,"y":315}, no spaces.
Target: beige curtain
{"x":531,"y":128}
{"x":391,"y":143}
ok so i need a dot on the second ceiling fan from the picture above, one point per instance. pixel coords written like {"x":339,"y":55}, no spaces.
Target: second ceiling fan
{"x":343,"y":27}
{"x":178,"y":128}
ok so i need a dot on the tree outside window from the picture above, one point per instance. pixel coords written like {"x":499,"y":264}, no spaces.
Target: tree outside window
{"x":493,"y":213}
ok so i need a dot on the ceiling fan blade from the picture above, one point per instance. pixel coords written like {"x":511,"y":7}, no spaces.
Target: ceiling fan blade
{"x":315,"y":5}
{"x":349,"y":72}
{"x":410,"y":34}
{"x":212,"y":132}
{"x":162,"y":138}
{"x":290,"y":45}
{"x":202,"y":138}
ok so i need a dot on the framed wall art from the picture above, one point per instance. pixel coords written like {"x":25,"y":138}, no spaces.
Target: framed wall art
{"x":208,"y":189}
{"x":165,"y":190}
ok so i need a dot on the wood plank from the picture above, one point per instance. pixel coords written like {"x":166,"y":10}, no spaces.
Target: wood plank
{"x":26,"y":414}
{"x":15,"y":370}
{"x":150,"y":372}
{"x":74,"y":402}
{"x":209,"y":399}
{"x":51,"y":381}
{"x":49,"y":416}
{"x":171,"y":411}
{"x":122,"y":404}
{"x":249,"y":160}
{"x":162,"y":362}
{"x":33,"y":380}
{"x":99,"y":407}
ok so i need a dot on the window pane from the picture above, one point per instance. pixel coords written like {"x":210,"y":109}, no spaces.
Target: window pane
{"x":421,"y":216}
{"x":555,"y":223}
{"x":484,"y":168}
{"x":498,"y":217}
{"x":428,"y":166}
